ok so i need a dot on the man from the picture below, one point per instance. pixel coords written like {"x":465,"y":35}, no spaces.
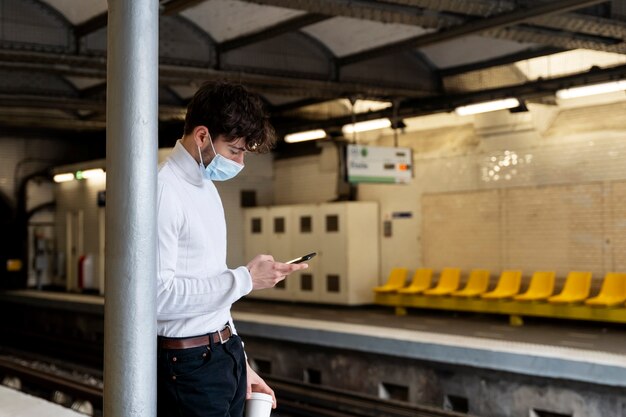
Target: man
{"x":202,"y":368}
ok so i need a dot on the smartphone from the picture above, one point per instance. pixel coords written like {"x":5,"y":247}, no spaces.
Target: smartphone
{"x":302,"y":258}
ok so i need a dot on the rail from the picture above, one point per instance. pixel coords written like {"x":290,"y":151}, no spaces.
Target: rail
{"x":296,"y":399}
{"x":307,"y":400}
{"x":40,"y":379}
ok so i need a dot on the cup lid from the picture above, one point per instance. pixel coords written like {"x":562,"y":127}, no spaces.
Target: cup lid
{"x":261,"y":396}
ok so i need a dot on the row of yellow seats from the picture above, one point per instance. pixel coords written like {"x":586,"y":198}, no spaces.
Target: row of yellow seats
{"x":541,"y":288}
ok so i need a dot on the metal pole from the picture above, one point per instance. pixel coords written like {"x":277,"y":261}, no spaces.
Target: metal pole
{"x":130,"y":288}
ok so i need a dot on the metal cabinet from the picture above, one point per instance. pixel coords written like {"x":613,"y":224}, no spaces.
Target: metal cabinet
{"x":345,"y":236}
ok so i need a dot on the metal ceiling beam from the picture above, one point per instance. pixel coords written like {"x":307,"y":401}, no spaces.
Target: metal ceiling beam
{"x":582,"y":23}
{"x":54,"y":63}
{"x":37,"y":121}
{"x":100,"y":21}
{"x":290,"y":25}
{"x":467,"y":7}
{"x":67,"y":104}
{"x":541,"y":88}
{"x":92,"y":25}
{"x":177,"y":6}
{"x":474,"y":26}
{"x":502,"y":60}
{"x":409,"y":108}
{"x":367,"y":10}
{"x":282,"y":108}
{"x":559,"y":38}
{"x":33,"y":101}
{"x":93,"y":90}
{"x":571,"y":22}
{"x":618,"y":9}
{"x":95,"y":67}
{"x":420,"y":12}
{"x":289,"y":86}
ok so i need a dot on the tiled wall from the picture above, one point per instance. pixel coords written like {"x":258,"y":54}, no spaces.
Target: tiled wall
{"x":82,"y":195}
{"x":555,"y":227}
{"x":308,"y":179}
{"x":557,"y":177}
{"x":72,"y":198}
{"x":256,"y":176}
{"x":512,"y":191}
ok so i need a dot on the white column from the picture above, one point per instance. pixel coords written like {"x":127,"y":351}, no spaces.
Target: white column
{"x":130,"y":286}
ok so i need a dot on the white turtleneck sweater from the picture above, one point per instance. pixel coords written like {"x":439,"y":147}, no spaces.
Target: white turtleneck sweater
{"x":195,"y":287}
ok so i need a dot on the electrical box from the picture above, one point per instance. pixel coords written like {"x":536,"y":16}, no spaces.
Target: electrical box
{"x":345,"y":236}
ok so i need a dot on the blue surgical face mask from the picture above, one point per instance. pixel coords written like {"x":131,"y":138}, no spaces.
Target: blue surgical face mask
{"x":220,"y":168}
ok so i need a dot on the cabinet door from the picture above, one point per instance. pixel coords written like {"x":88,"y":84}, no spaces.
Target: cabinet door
{"x":256,"y":232}
{"x":280,"y":234}
{"x":256,"y":238}
{"x":305,"y":239}
{"x":333,"y":257}
{"x":363,"y":253}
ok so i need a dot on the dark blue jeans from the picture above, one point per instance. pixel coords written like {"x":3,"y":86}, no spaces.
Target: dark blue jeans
{"x":206,"y":381}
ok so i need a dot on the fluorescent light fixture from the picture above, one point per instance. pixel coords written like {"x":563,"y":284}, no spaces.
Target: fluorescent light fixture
{"x":307,"y":135}
{"x":590,"y":90}
{"x":487,"y":106}
{"x":365,"y":126}
{"x":65,"y":177}
{"x":92,"y":173}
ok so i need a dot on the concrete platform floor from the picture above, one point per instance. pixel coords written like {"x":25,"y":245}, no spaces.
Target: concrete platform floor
{"x":17,"y":404}
{"x":593,"y":336}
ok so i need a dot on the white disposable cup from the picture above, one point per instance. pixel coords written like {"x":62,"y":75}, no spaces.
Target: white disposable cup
{"x":259,"y":405}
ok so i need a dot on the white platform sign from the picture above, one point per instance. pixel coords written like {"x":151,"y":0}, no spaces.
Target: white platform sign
{"x":379,"y":164}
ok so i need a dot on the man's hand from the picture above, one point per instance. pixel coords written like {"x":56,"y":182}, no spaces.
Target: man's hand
{"x":266,"y":272}
{"x":256,"y":384}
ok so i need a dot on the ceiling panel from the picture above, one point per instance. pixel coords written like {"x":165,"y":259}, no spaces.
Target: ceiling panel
{"x":364,"y":48}
{"x":78,"y":11}
{"x":344,"y":36}
{"x":292,"y":53}
{"x":228,"y":19}
{"x":185,"y":91}
{"x":569,"y":62}
{"x":470,"y":49}
{"x":32,"y":25}
{"x":278,"y":99}
{"x":81,"y":83}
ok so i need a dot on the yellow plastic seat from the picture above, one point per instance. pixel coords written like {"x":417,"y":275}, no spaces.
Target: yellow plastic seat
{"x":477,"y":284}
{"x":448,"y":282}
{"x":421,"y":282}
{"x":508,"y":286}
{"x":613,"y":291}
{"x":395,"y":281}
{"x":576,"y":289}
{"x":541,"y":287}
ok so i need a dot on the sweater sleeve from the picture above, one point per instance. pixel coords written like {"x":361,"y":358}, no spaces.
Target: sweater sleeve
{"x":183,"y":297}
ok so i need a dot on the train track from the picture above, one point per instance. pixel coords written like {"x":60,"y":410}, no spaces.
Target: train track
{"x":37,"y":377}
{"x":307,"y":400}
{"x":296,"y":399}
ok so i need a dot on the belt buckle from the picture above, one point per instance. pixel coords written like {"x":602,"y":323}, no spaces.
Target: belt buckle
{"x":219,"y":334}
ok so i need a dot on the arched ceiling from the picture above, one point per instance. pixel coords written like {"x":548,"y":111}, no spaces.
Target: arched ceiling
{"x":425,"y":56}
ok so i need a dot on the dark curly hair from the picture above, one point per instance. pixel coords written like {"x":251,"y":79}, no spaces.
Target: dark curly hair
{"x":233,"y":111}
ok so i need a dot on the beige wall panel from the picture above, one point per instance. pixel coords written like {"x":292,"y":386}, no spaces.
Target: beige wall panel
{"x":257,"y":177}
{"x":308,"y":179}
{"x":74,"y":197}
{"x":401,"y":248}
{"x":461,"y":230}
{"x":617,"y":233}
{"x":555,"y":228}
{"x":604,"y":117}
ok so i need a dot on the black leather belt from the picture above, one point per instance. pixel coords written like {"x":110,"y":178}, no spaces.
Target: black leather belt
{"x":221,"y":336}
